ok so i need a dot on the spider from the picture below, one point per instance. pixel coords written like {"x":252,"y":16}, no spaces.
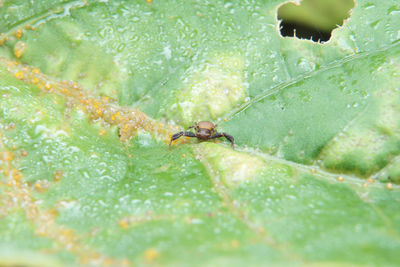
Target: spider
{"x":205,"y":130}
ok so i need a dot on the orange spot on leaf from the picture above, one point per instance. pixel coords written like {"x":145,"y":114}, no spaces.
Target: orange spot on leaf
{"x":151,"y":255}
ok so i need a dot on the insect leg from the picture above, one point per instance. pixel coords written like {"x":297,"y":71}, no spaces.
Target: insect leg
{"x":217,"y":135}
{"x":177,"y":135}
{"x":189,"y":134}
{"x":193,"y":126}
{"x":227,"y":136}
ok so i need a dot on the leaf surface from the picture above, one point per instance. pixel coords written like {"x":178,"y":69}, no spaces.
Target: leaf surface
{"x":86,"y":113}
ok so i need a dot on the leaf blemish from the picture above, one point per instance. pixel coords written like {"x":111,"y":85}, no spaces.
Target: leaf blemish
{"x":312,"y":20}
{"x":211,"y":90}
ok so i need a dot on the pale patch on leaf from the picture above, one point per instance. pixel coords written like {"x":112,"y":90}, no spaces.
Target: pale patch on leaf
{"x":366,"y":145}
{"x":211,"y":90}
{"x":9,"y":257}
{"x":227,"y":165}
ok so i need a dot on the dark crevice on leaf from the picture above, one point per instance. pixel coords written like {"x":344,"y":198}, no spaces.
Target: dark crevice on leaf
{"x":313,"y":20}
{"x":294,"y":29}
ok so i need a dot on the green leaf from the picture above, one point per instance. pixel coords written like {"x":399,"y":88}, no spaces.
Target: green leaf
{"x":89,"y":95}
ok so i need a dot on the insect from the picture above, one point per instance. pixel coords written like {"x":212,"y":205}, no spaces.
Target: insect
{"x":205,"y":130}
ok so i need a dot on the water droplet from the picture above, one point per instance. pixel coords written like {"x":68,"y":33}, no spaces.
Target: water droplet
{"x":168,"y":194}
{"x":393,"y":10}
{"x":196,"y":221}
{"x":102,"y":203}
{"x":107,"y":177}
{"x":271,"y":188}
{"x":121,"y":47}
{"x":135,"y":201}
{"x":369,"y":6}
{"x":167,"y":52}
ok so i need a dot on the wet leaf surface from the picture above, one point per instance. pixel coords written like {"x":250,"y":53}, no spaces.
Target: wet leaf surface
{"x":90,"y":92}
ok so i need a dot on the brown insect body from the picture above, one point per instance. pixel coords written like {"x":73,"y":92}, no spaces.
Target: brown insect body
{"x":205,"y":125}
{"x":205,"y":130}
{"x":203,"y":134}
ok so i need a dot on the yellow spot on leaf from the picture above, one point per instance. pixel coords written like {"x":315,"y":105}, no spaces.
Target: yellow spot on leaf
{"x":125,"y":262}
{"x":19,"y":49}
{"x":389,"y":186}
{"x":35,"y":71}
{"x":29,"y":27}
{"x":47,"y":86}
{"x":151,"y":255}
{"x":235,"y":243}
{"x":19,"y":75}
{"x":35,"y":80}
{"x":9,"y":156}
{"x":18,"y":33}
{"x":123,"y":223}
{"x":58,"y":175}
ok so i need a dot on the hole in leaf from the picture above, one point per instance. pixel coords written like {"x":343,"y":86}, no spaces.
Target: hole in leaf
{"x":313,"y":19}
